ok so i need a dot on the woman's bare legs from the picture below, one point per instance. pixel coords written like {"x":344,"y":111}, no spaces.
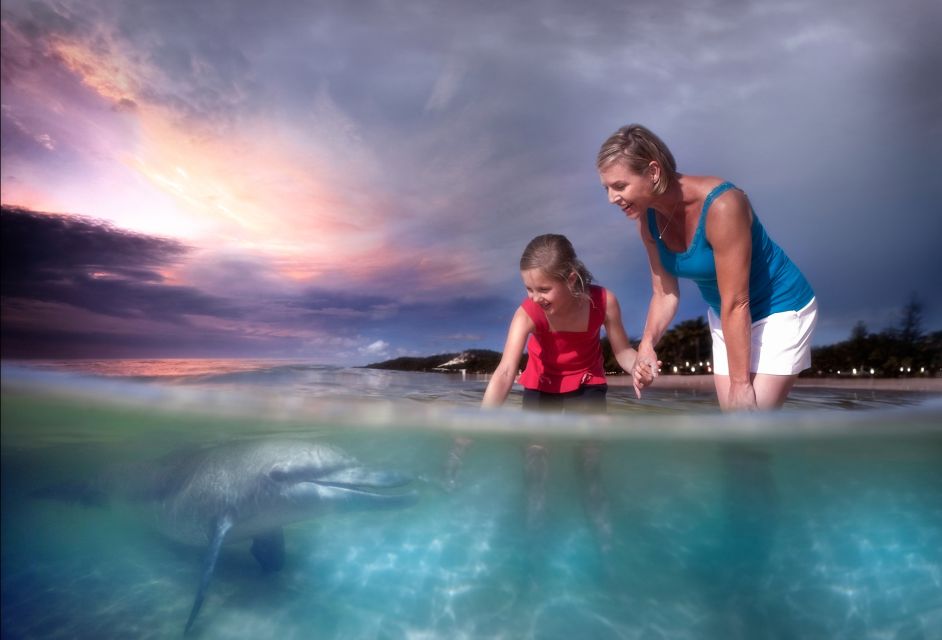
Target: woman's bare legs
{"x":771,"y":391}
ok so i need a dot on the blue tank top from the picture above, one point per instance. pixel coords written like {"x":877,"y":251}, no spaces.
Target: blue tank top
{"x":775,"y":283}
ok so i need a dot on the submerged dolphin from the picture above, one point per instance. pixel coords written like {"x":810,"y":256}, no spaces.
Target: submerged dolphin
{"x":240,"y":490}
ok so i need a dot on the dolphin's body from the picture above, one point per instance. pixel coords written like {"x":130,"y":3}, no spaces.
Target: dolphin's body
{"x":241,"y":490}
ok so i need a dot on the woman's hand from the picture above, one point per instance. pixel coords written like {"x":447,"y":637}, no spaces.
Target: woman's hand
{"x":742,"y":397}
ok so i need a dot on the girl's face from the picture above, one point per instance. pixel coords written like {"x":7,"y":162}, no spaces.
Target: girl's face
{"x":552,"y":294}
{"x":629,"y":191}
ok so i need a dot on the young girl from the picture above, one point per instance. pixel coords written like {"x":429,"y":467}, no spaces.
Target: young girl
{"x":562,"y":316}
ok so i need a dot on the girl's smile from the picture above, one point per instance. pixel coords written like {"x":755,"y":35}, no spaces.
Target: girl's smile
{"x":553,"y":295}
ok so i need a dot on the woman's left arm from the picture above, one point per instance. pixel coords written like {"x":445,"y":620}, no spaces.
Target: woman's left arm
{"x":729,"y":231}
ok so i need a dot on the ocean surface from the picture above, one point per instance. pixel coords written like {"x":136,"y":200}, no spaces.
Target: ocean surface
{"x":663,"y":519}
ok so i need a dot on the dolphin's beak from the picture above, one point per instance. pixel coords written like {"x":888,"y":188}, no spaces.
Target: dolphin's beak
{"x":366,"y":487}
{"x":359,"y":477}
{"x":355,"y":486}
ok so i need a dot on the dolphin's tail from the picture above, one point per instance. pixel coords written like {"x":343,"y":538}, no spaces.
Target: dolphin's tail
{"x":87,"y":494}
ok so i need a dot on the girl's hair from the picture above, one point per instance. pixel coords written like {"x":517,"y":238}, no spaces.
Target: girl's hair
{"x":636,"y":146}
{"x":553,"y":254}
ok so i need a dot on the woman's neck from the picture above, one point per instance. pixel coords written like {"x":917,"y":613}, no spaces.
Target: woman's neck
{"x":672,"y":200}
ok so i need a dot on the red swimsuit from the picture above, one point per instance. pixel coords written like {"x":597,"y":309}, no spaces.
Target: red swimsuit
{"x":563,"y":361}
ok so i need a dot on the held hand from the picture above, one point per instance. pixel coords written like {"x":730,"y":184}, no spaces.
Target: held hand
{"x":645,"y":371}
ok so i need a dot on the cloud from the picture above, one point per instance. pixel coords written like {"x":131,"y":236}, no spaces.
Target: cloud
{"x":78,"y":280}
{"x":91,"y":265}
{"x":378,"y":348}
{"x":75,"y":286}
{"x":356,"y":170}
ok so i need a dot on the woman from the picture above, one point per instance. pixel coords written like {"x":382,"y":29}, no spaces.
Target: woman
{"x":762,"y":311}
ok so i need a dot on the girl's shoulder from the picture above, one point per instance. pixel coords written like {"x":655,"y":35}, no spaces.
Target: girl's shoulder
{"x":601,"y":298}
{"x":532,"y":316}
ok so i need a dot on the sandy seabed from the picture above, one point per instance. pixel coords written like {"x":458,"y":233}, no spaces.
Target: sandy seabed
{"x":705,"y":383}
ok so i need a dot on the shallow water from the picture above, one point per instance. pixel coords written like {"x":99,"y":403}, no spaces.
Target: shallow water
{"x":821,"y":521}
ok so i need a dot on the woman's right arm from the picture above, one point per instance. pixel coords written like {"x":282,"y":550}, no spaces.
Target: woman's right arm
{"x":665,"y":297}
{"x":503,"y":377}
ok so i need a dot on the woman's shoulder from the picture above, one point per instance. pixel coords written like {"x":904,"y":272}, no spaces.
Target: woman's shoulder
{"x":700,"y":187}
{"x":718,"y":195}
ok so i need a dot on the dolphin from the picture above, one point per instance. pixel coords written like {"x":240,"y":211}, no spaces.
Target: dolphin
{"x":242,"y":490}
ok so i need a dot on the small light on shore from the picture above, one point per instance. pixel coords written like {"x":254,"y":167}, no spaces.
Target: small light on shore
{"x":871,"y":371}
{"x":675,"y":368}
{"x":854,"y":371}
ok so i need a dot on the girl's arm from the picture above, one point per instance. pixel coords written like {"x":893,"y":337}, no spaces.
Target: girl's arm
{"x":617,"y":337}
{"x":729,"y":231}
{"x":625,"y":354}
{"x":503,"y":378}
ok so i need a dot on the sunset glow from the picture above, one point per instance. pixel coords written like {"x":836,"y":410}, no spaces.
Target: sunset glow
{"x":322,"y":182}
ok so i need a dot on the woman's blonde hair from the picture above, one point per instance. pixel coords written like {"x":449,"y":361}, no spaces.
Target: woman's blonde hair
{"x":553,"y":254}
{"x":637,"y":146}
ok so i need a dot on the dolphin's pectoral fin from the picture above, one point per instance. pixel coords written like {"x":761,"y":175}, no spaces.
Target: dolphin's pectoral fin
{"x":269,"y":549}
{"x":220,"y":529}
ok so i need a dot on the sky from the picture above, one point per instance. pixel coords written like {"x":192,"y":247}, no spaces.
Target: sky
{"x":347,"y":182}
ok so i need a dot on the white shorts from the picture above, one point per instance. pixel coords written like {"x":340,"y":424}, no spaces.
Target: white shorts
{"x":781,"y":343}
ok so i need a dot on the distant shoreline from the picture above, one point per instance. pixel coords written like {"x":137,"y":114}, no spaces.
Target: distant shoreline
{"x":705,"y":383}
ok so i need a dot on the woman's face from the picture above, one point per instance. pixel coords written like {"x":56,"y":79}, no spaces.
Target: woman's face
{"x":552,"y":294}
{"x":629,"y":191}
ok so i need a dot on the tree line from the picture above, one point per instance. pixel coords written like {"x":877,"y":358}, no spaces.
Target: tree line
{"x":902,"y":350}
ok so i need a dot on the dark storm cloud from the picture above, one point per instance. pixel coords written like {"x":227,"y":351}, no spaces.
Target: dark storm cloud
{"x":90,"y":265}
{"x":73,"y":286}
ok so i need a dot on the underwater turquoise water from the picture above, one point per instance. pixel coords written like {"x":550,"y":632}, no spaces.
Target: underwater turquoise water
{"x":821,"y":521}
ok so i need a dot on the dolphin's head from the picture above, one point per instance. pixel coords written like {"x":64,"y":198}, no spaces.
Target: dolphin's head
{"x":318,"y":475}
